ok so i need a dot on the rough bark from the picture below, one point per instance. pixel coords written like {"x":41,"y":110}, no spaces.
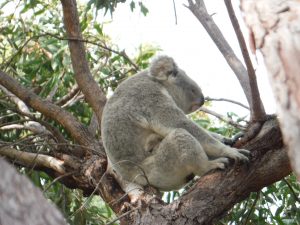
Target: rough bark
{"x":274,"y":27}
{"x":23,"y":204}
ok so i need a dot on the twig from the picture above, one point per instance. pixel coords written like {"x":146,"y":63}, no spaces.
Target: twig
{"x":226,"y":100}
{"x":123,"y":215}
{"x":57,"y":179}
{"x":223,"y":118}
{"x":292,"y":190}
{"x":74,"y":90}
{"x":121,"y":53}
{"x":175,"y":13}
{"x":257,"y":112}
{"x":91,"y":195}
{"x":252,"y":208}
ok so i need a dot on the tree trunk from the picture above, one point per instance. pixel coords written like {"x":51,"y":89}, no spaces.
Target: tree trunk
{"x":23,"y":204}
{"x":274,"y":29}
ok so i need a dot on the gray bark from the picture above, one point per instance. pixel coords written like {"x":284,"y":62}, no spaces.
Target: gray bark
{"x":23,"y":204}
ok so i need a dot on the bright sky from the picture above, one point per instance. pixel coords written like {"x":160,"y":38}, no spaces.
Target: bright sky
{"x":189,"y":44}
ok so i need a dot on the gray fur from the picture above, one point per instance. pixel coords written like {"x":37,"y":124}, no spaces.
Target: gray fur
{"x":147,"y":136}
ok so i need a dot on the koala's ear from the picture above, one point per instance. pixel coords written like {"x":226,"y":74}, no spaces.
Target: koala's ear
{"x":162,"y":67}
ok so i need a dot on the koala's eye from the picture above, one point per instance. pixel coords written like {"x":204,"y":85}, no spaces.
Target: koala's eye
{"x":174,"y":73}
{"x":169,"y":72}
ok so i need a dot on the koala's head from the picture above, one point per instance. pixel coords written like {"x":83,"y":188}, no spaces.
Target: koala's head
{"x":185,"y":92}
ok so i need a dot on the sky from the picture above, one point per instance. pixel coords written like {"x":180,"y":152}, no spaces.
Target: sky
{"x":191,"y":47}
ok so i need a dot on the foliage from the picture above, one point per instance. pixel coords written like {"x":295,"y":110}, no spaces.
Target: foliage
{"x":276,"y":204}
{"x":35,"y":53}
{"x":110,"y":5}
{"x":33,"y":49}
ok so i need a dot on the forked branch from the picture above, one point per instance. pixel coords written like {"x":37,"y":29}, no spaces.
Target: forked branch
{"x":198,"y":8}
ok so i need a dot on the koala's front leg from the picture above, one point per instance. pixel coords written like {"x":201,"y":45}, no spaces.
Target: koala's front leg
{"x":211,"y":146}
{"x":214,"y":148}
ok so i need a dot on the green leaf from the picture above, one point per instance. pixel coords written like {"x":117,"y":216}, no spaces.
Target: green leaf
{"x":132,"y":6}
{"x":143,"y":9}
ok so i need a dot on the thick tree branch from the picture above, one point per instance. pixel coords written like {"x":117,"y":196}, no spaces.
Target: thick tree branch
{"x":274,"y":29}
{"x":78,"y":131}
{"x":91,"y":90}
{"x":200,"y":12}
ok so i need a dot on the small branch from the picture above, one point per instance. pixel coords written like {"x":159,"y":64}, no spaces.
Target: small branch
{"x":258,"y":111}
{"x":175,"y":13}
{"x":226,"y":100}
{"x":57,"y":179}
{"x":223,"y":118}
{"x":68,"y":96}
{"x":73,"y":100}
{"x":30,"y":159}
{"x":20,"y":104}
{"x":120,"y":53}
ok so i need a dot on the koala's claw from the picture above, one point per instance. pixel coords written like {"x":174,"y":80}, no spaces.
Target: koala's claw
{"x":238,"y":154}
{"x":245,"y":152}
{"x":220,"y":163}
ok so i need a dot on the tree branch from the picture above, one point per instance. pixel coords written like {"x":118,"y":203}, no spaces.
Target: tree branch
{"x":74,"y":90}
{"x":200,"y":12}
{"x":226,"y":100}
{"x":91,"y":90}
{"x":33,"y":159}
{"x":223,"y":118}
{"x":258,"y":111}
{"x":78,"y":131}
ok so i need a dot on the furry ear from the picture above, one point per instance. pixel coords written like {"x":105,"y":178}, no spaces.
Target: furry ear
{"x":162,"y":67}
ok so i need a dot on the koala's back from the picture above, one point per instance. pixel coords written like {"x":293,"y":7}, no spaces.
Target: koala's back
{"x":139,"y":97}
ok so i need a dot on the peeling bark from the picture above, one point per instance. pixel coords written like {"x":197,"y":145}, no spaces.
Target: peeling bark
{"x":274,"y":27}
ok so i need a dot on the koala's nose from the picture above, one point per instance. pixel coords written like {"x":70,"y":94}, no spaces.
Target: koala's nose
{"x":202,"y":100}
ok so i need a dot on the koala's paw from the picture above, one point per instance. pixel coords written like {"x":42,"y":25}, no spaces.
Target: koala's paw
{"x":219,"y":163}
{"x":238,"y":154}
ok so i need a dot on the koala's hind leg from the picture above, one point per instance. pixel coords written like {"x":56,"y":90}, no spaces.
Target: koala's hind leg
{"x":177,"y":157}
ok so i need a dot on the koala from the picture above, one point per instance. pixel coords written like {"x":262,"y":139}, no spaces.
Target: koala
{"x":147,"y":136}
